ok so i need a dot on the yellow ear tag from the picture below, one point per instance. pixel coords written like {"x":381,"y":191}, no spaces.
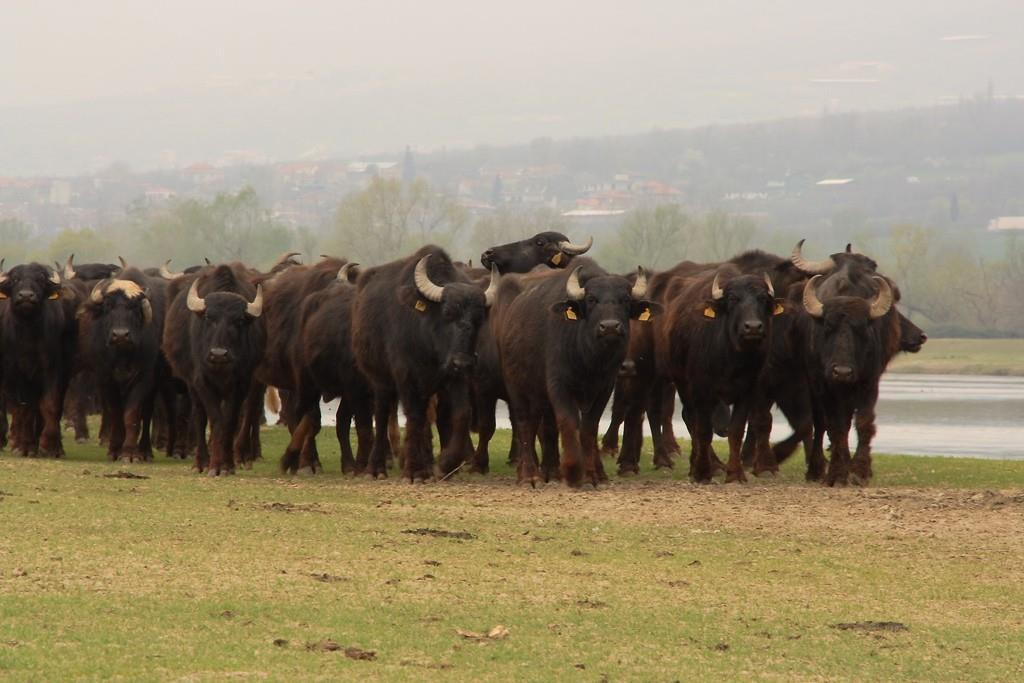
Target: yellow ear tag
{"x":570,"y":314}
{"x":709,"y":312}
{"x":421,"y":305}
{"x":55,"y":295}
{"x":557,"y":258}
{"x":2,"y":295}
{"x":645,"y":316}
{"x":779,"y":309}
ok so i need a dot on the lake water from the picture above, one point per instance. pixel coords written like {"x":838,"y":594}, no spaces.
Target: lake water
{"x":955,"y":415}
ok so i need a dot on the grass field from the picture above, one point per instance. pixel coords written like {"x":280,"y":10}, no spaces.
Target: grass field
{"x":174,"y":576}
{"x":964,"y":357}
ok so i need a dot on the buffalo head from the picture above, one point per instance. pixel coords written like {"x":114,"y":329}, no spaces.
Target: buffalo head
{"x":550,"y":248}
{"x":455,"y":311}
{"x":846,"y":335}
{"x":745,"y":305}
{"x":123,"y":310}
{"x":28,"y":287}
{"x":226,"y":320}
{"x":604,"y":305}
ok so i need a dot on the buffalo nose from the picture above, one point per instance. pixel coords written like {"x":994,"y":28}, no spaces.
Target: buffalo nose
{"x":607,"y":327}
{"x":120,"y":335}
{"x":843,"y":373}
{"x":924,"y":337}
{"x":460,"y":362}
{"x":218,"y":355}
{"x":26,"y":295}
{"x":753,"y":327}
{"x":485,"y":258}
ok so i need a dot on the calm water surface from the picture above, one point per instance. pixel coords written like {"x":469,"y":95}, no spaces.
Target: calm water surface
{"x":955,"y":415}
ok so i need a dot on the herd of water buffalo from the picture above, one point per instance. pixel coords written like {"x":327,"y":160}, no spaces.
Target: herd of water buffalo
{"x":540,"y":326}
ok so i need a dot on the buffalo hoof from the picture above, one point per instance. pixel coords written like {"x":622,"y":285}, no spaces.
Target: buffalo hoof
{"x":609,"y":451}
{"x":736,"y":477}
{"x":770,"y":474}
{"x":628,"y":470}
{"x":307,"y":471}
{"x":859,"y":479}
{"x":663,"y":461}
{"x":81,"y":439}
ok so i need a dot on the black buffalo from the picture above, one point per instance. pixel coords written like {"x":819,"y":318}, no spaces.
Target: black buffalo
{"x":563,"y":337}
{"x":37,"y":336}
{"x":325,"y":367}
{"x":713,"y":342}
{"x":214,"y":338}
{"x":414,"y":332}
{"x":121,"y":328}
{"x":549,"y":248}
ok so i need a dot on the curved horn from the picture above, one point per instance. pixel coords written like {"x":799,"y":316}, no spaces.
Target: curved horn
{"x":285,"y":257}
{"x":575,"y":249}
{"x":492,"y":288}
{"x":96,"y":295}
{"x":812,"y":304}
{"x":147,"y":312}
{"x":810,"y":267}
{"x":255,"y":308}
{"x":716,"y":289}
{"x":883,"y":302}
{"x":344,"y":271}
{"x":3,"y":273}
{"x":69,"y":268}
{"x":639,"y":290}
{"x":124,"y":264}
{"x":849,"y":247}
{"x":771,"y":287}
{"x":428,"y":289}
{"x":166,"y":273}
{"x":572,"y":286}
{"x":207,"y":261}
{"x":55,"y":277}
{"x":195,"y":303}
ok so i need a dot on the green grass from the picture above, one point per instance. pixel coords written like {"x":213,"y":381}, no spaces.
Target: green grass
{"x":964,"y":357}
{"x":179,"y":576}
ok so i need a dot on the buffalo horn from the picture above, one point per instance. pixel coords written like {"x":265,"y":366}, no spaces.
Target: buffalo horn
{"x":492,"y":287}
{"x":147,"y":312}
{"x":810,"y":267}
{"x":428,"y":289}
{"x":344,"y":271}
{"x":883,"y":302}
{"x":716,"y":289}
{"x":195,"y":303}
{"x":166,"y":273}
{"x":96,"y":296}
{"x":255,"y":308}
{"x":812,"y":303}
{"x":286,"y":257}
{"x":124,"y":264}
{"x":572,"y":285}
{"x":69,"y":268}
{"x":771,"y":288}
{"x":55,"y":277}
{"x":639,"y":290}
{"x":568,"y":247}
{"x":849,"y":248}
{"x":3,"y":274}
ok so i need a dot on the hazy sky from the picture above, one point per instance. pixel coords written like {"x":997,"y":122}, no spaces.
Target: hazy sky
{"x":92,"y":81}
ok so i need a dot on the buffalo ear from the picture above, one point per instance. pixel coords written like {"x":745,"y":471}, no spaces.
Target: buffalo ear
{"x":710,"y":309}
{"x":568,"y":309}
{"x":408,"y":296}
{"x":644,"y":310}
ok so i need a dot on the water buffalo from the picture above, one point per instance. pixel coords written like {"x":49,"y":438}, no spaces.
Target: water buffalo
{"x":325,"y":367}
{"x":713,"y":342}
{"x":849,"y":341}
{"x":563,"y":337}
{"x":37,"y":334}
{"x":414,"y":332}
{"x":549,"y":248}
{"x":121,"y":328}
{"x":214,"y":338}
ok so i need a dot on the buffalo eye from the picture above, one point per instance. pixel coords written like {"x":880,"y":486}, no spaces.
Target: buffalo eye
{"x":540,"y":243}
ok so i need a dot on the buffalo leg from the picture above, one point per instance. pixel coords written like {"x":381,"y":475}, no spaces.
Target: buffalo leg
{"x":549,"y":460}
{"x":486,"y":406}
{"x":865,"y":423}
{"x":838,"y":428}
{"x":50,"y":408}
{"x":382,"y":410}
{"x":737,"y":424}
{"x":610,"y":440}
{"x":418,"y":463}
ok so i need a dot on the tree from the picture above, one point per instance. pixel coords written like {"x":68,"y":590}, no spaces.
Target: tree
{"x":14,"y":239}
{"x":390,"y":218}
{"x":724,"y":235}
{"x":85,"y":244}
{"x":655,"y":237}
